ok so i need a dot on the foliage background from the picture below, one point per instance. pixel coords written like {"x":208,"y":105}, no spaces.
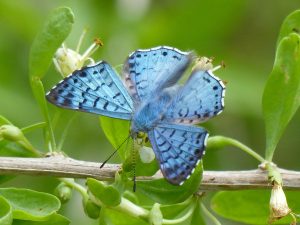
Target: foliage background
{"x":242,"y":33}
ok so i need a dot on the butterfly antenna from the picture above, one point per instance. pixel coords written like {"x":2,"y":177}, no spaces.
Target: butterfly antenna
{"x":114,"y":152}
{"x":133,"y":167}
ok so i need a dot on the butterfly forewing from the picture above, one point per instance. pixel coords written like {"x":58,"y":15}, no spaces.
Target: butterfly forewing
{"x":150,"y":70}
{"x":95,"y":89}
{"x":201,"y":98}
{"x":178,"y":148}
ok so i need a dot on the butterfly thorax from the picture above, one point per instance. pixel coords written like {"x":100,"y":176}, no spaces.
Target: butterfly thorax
{"x":150,"y":113}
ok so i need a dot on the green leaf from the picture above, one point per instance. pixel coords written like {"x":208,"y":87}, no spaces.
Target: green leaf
{"x":131,"y":197}
{"x":173,"y":210}
{"x":112,"y":217}
{"x":281,"y":96}
{"x":6,"y":217}
{"x":290,"y":24}
{"x":141,"y":168}
{"x":117,"y":131}
{"x":39,"y":94}
{"x":8,"y":148}
{"x":165,"y":193}
{"x":55,"y":219}
{"x":29,"y":204}
{"x":251,"y":206}
{"x":48,"y":40}
{"x":107,"y":194}
{"x":185,"y":213}
{"x":197,"y":217}
{"x":5,"y":178}
{"x":91,"y":209}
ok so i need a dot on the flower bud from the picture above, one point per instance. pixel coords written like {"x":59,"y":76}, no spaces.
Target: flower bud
{"x":146,"y":154}
{"x":278,"y":204}
{"x":91,"y":209}
{"x":63,"y":192}
{"x":67,"y":61}
{"x":11,"y":133}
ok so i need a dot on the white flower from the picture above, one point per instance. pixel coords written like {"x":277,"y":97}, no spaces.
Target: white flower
{"x":203,"y":63}
{"x":278,"y":204}
{"x":67,"y":60}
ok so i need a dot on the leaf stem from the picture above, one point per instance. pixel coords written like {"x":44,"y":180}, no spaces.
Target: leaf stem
{"x":65,"y":132}
{"x":76,"y":186}
{"x":210,"y":215}
{"x":28,"y":146}
{"x":221,"y":141}
{"x":132,"y":209}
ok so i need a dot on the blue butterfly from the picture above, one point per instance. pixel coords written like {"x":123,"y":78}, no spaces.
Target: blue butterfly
{"x":153,"y":102}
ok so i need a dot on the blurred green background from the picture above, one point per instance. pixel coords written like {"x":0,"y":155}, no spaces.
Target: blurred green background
{"x":241,"y":33}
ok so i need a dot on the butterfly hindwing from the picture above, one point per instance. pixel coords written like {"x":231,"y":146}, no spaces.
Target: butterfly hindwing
{"x":153,"y":69}
{"x":95,"y":89}
{"x":201,"y":98}
{"x":178,"y":149}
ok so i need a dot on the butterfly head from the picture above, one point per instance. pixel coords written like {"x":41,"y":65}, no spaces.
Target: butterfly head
{"x":134,"y":131}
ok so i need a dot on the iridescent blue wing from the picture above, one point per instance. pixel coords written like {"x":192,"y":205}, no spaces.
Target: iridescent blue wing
{"x":178,"y":149}
{"x":201,"y":98}
{"x":149,"y":70}
{"x":95,"y":89}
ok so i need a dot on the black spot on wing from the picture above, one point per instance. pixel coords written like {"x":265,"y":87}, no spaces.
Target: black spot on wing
{"x":105,"y":105}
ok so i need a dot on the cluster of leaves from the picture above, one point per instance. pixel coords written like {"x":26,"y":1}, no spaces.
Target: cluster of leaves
{"x":157,"y":201}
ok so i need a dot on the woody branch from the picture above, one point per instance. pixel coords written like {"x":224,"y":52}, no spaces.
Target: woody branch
{"x":61,"y":166}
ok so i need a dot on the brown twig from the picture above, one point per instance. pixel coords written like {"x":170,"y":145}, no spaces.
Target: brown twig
{"x":61,"y":166}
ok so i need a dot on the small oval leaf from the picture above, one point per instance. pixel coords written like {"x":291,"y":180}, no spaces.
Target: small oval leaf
{"x":107,"y":194}
{"x":6,"y":217}
{"x":281,"y":96}
{"x":55,"y":219}
{"x":49,"y":39}
{"x":29,"y":204}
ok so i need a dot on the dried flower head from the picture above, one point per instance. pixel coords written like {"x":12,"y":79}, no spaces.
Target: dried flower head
{"x":278,"y":204}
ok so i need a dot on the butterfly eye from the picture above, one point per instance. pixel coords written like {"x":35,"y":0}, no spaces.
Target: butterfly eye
{"x":140,"y":135}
